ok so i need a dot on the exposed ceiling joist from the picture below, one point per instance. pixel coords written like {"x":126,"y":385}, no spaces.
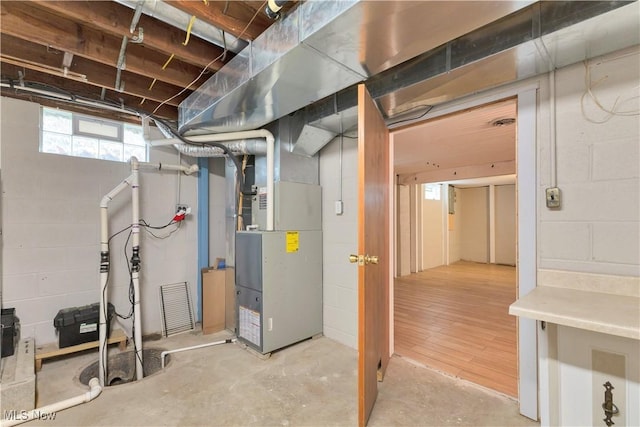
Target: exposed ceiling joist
{"x":115,"y":19}
{"x":40,"y":58}
{"x":79,"y":89}
{"x":230,"y":16}
{"x":37,"y":25}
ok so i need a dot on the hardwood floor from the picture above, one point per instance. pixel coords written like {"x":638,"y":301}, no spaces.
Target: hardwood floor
{"x":455,"y":319}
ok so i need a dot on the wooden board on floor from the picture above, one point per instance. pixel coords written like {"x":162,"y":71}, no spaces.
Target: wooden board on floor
{"x":51,"y":350}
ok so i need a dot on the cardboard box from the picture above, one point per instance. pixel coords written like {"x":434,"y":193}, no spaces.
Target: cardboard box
{"x":213,"y":300}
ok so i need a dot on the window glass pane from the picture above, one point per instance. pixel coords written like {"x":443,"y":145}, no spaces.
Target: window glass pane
{"x":134,"y":150}
{"x":110,"y":150}
{"x":56,"y":121}
{"x":133,"y":135}
{"x":85,"y":147}
{"x":98,"y":128}
{"x":432,"y":191}
{"x":56,"y":143}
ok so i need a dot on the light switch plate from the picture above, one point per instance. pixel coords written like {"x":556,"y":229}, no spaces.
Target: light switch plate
{"x":553,"y":197}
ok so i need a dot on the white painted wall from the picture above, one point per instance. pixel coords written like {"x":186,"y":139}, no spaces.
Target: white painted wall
{"x":50,"y":226}
{"x":433,"y":233}
{"x":597,"y":230}
{"x":453,"y":225}
{"x":339,"y":240}
{"x":404,"y":230}
{"x":505,"y":224}
{"x":473,"y":214}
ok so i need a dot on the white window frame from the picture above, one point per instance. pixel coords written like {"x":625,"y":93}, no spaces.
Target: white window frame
{"x":76,"y":118}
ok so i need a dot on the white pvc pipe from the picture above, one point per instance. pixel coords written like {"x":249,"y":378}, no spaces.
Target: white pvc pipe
{"x":161,"y":166}
{"x":259,"y":133}
{"x":133,"y":181}
{"x":135,"y":273}
{"x":104,"y":275}
{"x":193,"y":347}
{"x":94,"y":390}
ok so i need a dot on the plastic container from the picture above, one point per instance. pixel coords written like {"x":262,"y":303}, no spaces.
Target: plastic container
{"x":78,"y":325}
{"x":10,"y":331}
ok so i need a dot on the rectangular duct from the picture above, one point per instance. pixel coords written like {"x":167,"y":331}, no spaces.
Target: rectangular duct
{"x":321,"y":48}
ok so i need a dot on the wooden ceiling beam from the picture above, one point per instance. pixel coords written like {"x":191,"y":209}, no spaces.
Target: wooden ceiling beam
{"x":232,"y":20}
{"x":87,"y":91}
{"x":115,"y":19}
{"x":40,"y":58}
{"x":39,"y":26}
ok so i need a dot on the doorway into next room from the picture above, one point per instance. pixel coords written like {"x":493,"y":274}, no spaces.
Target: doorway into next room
{"x":456,"y":245}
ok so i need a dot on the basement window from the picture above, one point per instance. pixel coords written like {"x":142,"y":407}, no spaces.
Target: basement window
{"x":78,"y":135}
{"x":432,"y":191}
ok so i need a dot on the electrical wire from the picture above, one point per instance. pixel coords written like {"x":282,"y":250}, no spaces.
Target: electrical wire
{"x":168,"y":235}
{"x":206,"y":67}
{"x":428,"y":109}
{"x":610,"y":112}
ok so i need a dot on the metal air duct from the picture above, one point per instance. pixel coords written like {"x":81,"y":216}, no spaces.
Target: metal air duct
{"x":411,"y":54}
{"x":322,"y":47}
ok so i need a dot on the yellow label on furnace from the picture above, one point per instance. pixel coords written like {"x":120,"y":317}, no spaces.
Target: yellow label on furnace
{"x":293,"y":241}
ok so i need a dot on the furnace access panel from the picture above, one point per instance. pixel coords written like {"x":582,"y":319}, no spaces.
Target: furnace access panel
{"x":279,"y":287}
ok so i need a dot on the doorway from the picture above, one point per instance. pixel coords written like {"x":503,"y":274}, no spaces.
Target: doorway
{"x":453,"y":317}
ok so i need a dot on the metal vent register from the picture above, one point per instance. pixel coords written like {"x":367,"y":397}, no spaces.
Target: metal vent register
{"x":177,"y":310}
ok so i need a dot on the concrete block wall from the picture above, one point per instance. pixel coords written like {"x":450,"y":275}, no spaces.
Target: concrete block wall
{"x":51,"y":228}
{"x":339,"y":240}
{"x":217,"y":242}
{"x":597,"y":229}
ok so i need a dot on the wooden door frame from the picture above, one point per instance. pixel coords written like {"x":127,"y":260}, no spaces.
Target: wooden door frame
{"x":532,"y":399}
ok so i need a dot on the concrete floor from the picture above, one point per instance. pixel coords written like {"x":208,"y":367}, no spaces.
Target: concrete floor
{"x":311,"y":383}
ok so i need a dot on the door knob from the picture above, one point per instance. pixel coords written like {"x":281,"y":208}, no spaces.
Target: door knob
{"x":363,"y":259}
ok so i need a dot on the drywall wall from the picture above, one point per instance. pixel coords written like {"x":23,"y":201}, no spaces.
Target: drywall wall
{"x":505,"y":224}
{"x":597,"y":228}
{"x":403,"y":233}
{"x":472,"y":214}
{"x":339,"y":240}
{"x":453,"y":225}
{"x":433,"y":232}
{"x":51,"y":229}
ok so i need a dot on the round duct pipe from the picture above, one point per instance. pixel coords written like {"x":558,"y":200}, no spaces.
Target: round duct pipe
{"x":245,"y":146}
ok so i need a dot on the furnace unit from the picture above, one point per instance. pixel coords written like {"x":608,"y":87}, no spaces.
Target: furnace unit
{"x":278,"y":287}
{"x":279,"y":273}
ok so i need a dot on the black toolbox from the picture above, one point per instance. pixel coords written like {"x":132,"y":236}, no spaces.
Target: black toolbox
{"x":77,"y":325}
{"x":10,"y":331}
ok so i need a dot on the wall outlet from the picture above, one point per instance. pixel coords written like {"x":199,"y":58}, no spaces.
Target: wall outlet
{"x":183,"y":207}
{"x":553,"y":197}
{"x":339,"y":207}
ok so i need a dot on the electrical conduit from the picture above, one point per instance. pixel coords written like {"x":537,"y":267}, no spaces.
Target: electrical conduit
{"x":94,"y":390}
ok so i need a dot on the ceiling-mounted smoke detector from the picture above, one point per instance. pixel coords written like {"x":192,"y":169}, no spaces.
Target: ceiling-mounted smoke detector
{"x":506,"y":121}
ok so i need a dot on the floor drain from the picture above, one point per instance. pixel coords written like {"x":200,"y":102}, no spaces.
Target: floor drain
{"x":122,"y":367}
